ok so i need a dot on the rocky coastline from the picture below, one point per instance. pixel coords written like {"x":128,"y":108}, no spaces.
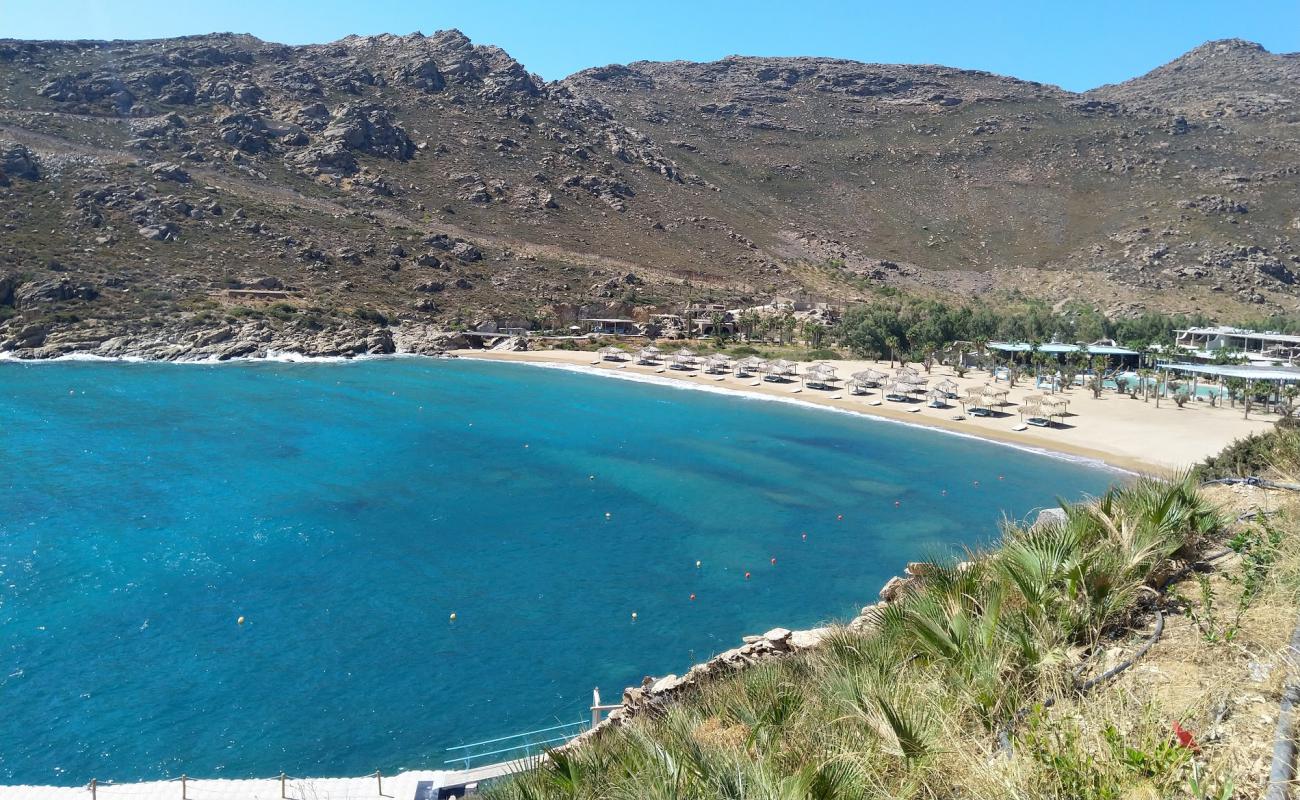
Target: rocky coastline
{"x":654,"y":694}
{"x":246,"y":339}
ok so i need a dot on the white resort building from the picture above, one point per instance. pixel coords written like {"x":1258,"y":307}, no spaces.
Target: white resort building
{"x":1264,"y":347}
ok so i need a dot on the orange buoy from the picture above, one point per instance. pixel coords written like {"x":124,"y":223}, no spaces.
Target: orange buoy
{"x":746,"y":576}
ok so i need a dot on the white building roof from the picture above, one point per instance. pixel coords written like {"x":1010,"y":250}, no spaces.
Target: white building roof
{"x":1225,"y":330}
{"x":1250,"y":372}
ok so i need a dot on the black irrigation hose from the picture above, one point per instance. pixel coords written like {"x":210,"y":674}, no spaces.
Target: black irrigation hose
{"x":1254,"y":481}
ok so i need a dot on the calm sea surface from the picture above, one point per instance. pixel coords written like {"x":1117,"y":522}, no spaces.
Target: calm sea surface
{"x":346,"y":510}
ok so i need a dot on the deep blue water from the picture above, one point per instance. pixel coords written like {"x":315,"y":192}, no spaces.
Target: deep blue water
{"x":346,"y":510}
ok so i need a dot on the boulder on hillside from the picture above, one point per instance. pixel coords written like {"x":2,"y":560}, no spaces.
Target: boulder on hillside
{"x":38,"y":293}
{"x":8,"y":283}
{"x":168,"y":171}
{"x":161,"y":232}
{"x":371,"y":129}
{"x":16,"y":161}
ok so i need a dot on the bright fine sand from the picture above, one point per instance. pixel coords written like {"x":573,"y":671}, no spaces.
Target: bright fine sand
{"x":1125,"y":433}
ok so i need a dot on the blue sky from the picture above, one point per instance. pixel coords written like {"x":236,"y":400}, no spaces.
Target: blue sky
{"x":1077,"y":44}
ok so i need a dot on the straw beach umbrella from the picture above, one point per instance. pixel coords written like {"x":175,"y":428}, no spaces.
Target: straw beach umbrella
{"x":1055,"y":407}
{"x":648,"y":355}
{"x":819,"y":375}
{"x":611,"y":353}
{"x":718,"y":363}
{"x":751,"y":365}
{"x":976,"y":403}
{"x":1031,"y":411}
{"x":685,"y":359}
{"x":899,"y":391}
{"x":870,"y":377}
{"x":781,"y":369}
{"x":995,"y":396}
{"x":949,"y":388}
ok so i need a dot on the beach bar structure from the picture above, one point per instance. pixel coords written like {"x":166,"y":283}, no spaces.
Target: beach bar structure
{"x":612,"y":326}
{"x":1264,"y":347}
{"x":1115,"y":355}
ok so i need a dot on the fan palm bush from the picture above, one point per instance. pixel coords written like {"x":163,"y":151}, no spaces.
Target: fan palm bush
{"x":912,"y":704}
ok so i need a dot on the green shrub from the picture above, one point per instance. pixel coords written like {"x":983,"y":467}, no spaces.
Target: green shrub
{"x":1256,"y":454}
{"x":370,"y":315}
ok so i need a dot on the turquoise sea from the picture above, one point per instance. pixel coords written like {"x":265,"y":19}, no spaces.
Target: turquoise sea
{"x":346,"y":510}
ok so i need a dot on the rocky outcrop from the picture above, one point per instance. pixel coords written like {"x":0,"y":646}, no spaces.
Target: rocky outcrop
{"x":654,"y":694}
{"x":39,"y":293}
{"x":17,"y":163}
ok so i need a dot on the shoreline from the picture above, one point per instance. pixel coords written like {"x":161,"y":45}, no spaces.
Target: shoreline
{"x":811,"y":404}
{"x":1137,"y":430}
{"x":1166,"y":426}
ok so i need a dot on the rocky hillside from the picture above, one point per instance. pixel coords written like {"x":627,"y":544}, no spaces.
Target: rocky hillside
{"x":409,"y":182}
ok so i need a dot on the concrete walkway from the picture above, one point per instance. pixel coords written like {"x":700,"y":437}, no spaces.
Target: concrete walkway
{"x":403,"y":786}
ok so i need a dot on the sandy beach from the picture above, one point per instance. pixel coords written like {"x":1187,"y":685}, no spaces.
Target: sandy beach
{"x":1119,"y":431}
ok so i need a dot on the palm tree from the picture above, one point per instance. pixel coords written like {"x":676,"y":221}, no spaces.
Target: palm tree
{"x":1098,"y":376}
{"x":814,"y":332}
{"x":1252,"y":390}
{"x":787,"y":328}
{"x":716,"y":320}
{"x":891,"y":343}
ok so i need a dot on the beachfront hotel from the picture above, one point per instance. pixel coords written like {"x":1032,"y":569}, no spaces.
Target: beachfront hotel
{"x":1266,"y":347}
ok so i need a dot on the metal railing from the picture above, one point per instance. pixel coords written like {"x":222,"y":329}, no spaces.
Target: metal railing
{"x":514,"y":746}
{"x":523,"y":745}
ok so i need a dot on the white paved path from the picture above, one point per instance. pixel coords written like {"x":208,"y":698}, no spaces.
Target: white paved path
{"x":398,"y":787}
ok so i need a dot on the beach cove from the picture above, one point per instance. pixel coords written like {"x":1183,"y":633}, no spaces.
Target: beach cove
{"x":1124,"y":433}
{"x":346,"y":510}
